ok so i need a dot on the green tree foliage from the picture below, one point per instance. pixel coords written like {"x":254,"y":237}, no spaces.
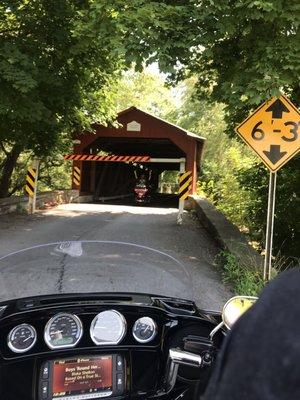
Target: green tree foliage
{"x":242,"y":51}
{"x":236,"y":182}
{"x":146,"y":90}
{"x":58,"y":65}
{"x":54,"y":77}
{"x":223,"y":157}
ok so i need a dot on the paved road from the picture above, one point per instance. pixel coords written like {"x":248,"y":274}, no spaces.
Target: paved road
{"x":181,"y":266}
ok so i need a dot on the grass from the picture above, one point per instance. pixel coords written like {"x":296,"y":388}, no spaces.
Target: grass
{"x":244,"y":280}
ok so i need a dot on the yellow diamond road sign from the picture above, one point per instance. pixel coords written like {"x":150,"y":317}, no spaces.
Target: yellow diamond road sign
{"x":273,"y":132}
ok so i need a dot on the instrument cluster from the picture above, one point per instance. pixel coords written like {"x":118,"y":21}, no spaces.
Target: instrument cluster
{"x":65,"y":330}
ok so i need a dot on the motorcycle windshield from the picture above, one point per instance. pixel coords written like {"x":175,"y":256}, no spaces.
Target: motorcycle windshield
{"x":92,"y":266}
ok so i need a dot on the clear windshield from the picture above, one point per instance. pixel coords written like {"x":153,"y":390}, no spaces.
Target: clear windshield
{"x":92,"y":266}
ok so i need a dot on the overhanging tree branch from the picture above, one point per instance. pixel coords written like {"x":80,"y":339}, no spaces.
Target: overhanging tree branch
{"x":4,"y":149}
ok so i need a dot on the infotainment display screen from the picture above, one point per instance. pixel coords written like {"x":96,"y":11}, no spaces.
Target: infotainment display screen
{"x":82,"y":377}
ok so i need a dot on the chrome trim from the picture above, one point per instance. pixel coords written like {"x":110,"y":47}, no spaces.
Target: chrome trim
{"x":86,"y":396}
{"x":185,"y":358}
{"x":2,"y":308}
{"x":177,"y":358}
{"x":121,"y":336}
{"x":151,"y":323}
{"x":11,"y":346}
{"x":48,"y":339}
{"x":215,"y":330}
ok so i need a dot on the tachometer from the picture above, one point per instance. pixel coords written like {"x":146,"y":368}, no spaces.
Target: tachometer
{"x":108,"y":327}
{"x":144,"y":330}
{"x":21,"y":338}
{"x":62,"y":331}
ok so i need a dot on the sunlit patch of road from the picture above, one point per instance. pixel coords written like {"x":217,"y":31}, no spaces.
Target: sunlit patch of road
{"x":83,"y":209}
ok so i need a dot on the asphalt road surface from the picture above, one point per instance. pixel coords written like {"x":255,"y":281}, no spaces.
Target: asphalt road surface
{"x":181,"y":264}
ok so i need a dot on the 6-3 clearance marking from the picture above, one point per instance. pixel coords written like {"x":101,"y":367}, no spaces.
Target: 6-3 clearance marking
{"x":273,"y":132}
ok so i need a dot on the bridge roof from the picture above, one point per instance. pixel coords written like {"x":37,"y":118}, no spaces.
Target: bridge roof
{"x":183,"y":131}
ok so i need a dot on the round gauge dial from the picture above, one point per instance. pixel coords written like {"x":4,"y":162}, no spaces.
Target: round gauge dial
{"x":144,"y":330}
{"x":108,"y":327}
{"x":21,"y":338}
{"x":63,"y":331}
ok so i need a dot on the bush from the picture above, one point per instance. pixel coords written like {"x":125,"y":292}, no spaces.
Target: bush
{"x":219,"y":183}
{"x":244,"y":279}
{"x":255,"y":180}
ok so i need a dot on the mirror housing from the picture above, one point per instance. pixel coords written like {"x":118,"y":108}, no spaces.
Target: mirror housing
{"x":235,"y":308}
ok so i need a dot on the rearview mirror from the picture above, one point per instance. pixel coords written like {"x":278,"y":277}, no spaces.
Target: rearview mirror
{"x":235,"y":308}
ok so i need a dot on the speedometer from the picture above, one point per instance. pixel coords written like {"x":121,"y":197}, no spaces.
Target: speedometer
{"x":62,"y":331}
{"x":108,"y":327}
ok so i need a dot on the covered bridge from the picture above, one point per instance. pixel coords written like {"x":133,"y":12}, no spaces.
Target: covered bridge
{"x":107,"y":159}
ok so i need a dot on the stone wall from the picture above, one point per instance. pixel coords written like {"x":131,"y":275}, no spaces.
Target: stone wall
{"x":224,"y":232}
{"x":20,"y":204}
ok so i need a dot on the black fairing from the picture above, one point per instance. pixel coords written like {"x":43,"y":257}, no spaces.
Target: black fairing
{"x":180,"y":324}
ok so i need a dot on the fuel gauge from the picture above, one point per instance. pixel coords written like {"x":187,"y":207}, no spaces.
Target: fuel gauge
{"x":144,"y":330}
{"x":21,"y":338}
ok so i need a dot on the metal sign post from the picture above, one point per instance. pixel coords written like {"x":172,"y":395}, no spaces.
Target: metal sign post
{"x":270,"y":225}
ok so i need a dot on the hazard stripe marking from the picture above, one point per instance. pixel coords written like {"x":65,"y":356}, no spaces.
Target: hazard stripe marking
{"x":76,"y":175}
{"x":184,"y":196}
{"x":111,"y":158}
{"x":185,"y":181}
{"x":185,"y":186}
{"x":29,"y":191}
{"x":184,"y":176}
{"x":182,"y":183}
{"x":30,"y":181}
{"x":32,"y":172}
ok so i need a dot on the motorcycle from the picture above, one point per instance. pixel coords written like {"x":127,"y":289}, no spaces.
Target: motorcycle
{"x":77,"y":322}
{"x":142,"y":194}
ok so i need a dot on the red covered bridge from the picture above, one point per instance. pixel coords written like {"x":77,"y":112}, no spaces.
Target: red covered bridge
{"x":108,"y":158}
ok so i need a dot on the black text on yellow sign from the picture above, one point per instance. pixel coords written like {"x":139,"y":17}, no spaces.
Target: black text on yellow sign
{"x":30,"y":181}
{"x":273,"y":132}
{"x":76,"y":176}
{"x":185,"y":181}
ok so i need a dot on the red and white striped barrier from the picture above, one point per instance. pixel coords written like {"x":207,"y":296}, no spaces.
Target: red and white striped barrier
{"x":91,"y":157}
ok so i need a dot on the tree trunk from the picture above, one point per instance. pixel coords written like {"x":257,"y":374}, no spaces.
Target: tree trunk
{"x":8,"y":167}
